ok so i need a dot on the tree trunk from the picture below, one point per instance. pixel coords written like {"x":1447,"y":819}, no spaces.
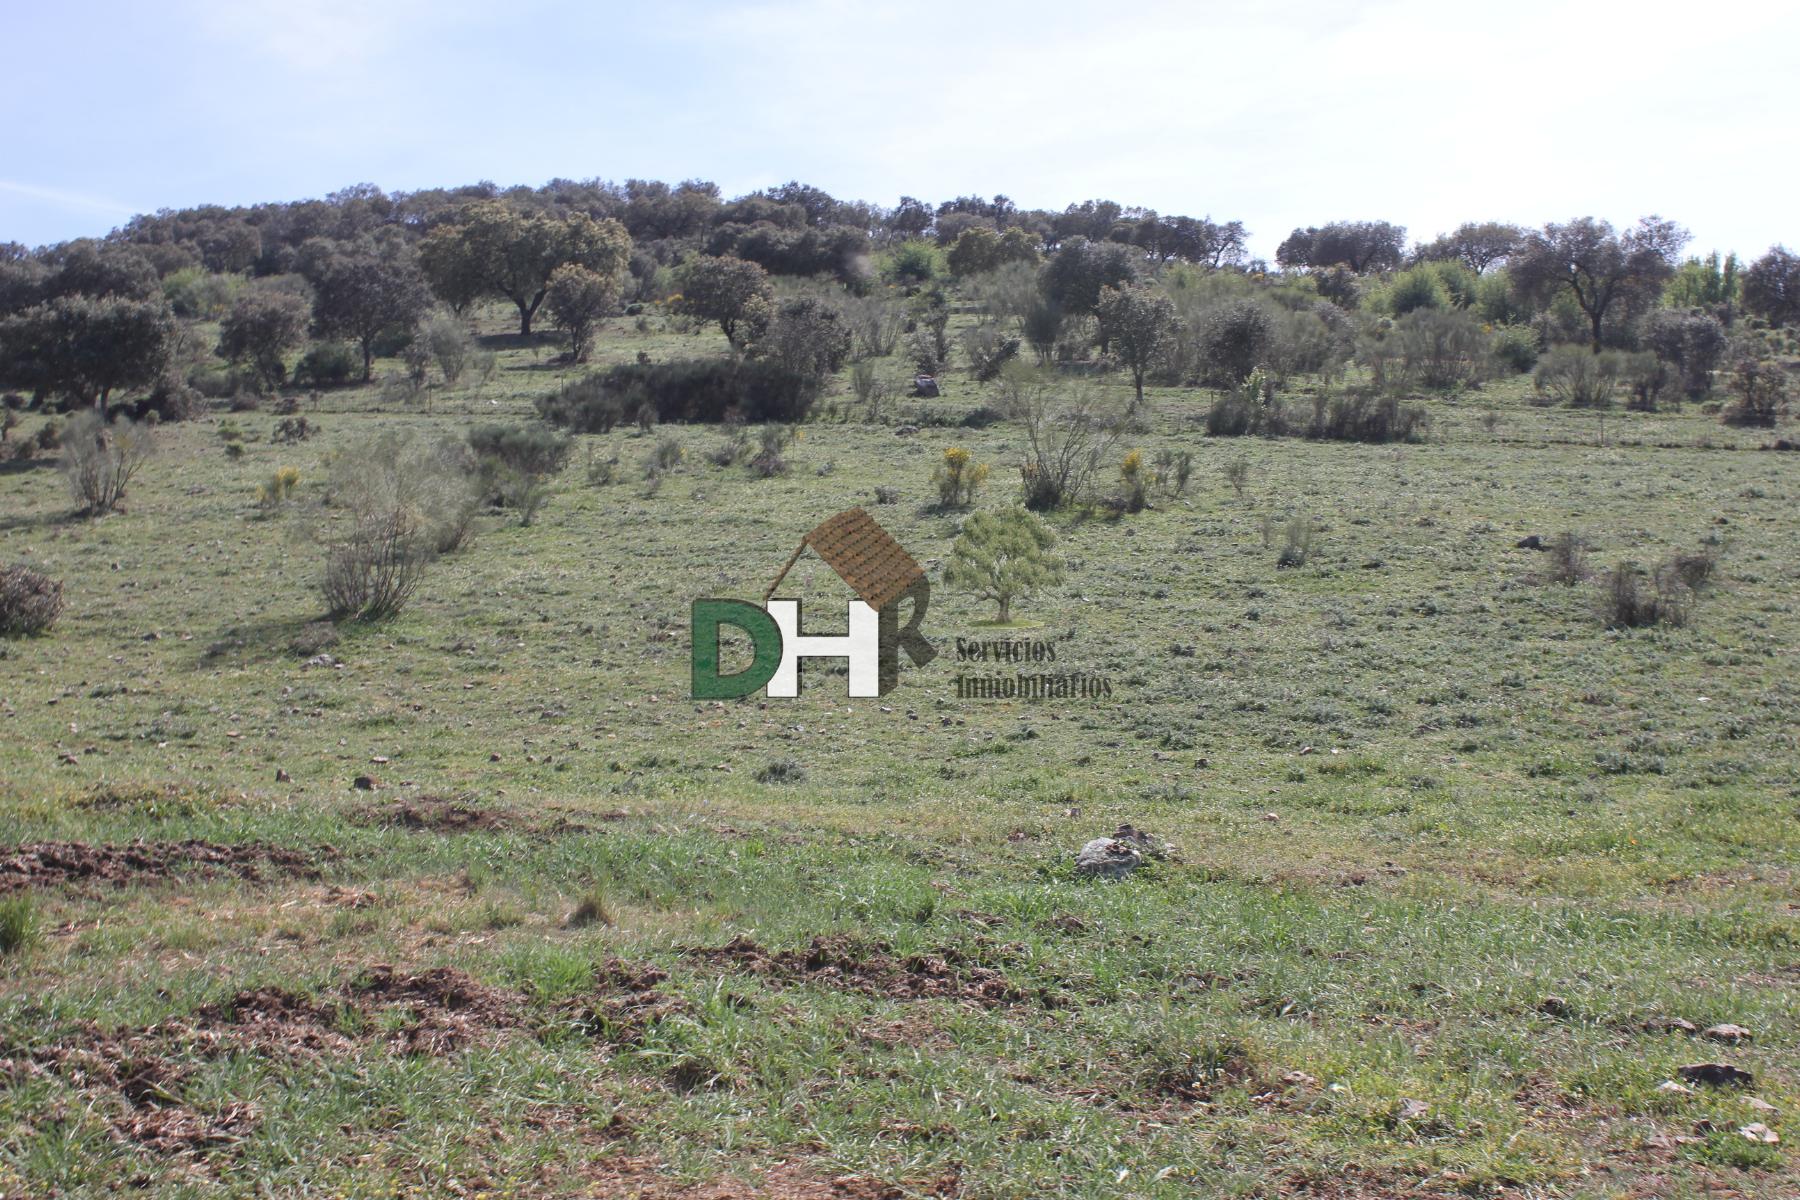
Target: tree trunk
{"x":368,"y":349}
{"x":1595,"y":318}
{"x":525,"y":315}
{"x":1005,"y":610}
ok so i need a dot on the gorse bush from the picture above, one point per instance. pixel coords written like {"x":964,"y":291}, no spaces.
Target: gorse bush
{"x":1441,"y":349}
{"x":1628,"y":600}
{"x":957,"y":478}
{"x":1515,"y":349}
{"x":1067,"y":437}
{"x":1131,"y":474}
{"x":699,"y":391}
{"x":1759,"y":391}
{"x":99,"y":460}
{"x":988,"y":350}
{"x":1231,"y":339}
{"x":1250,"y":408}
{"x":1297,"y":542}
{"x":278,"y":489}
{"x":515,"y":463}
{"x":1568,"y":559}
{"x":30,"y":601}
{"x":1172,"y":470}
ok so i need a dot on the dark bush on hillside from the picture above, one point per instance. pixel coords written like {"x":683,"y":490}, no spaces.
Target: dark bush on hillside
{"x":1690,"y":341}
{"x":1647,"y":379}
{"x":328,"y":364}
{"x":1232,"y":339}
{"x":1515,"y":349}
{"x":1441,"y":348}
{"x":1630,"y":601}
{"x":694,"y":391}
{"x":532,"y":448}
{"x":30,"y":601}
{"x":1759,"y":389}
{"x":1576,"y":376}
{"x":1362,"y":417}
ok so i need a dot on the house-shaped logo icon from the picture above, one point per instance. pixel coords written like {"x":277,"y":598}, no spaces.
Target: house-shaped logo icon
{"x":874,"y":566}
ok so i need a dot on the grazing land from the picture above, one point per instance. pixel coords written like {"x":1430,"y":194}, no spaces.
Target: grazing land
{"x":477,"y":900}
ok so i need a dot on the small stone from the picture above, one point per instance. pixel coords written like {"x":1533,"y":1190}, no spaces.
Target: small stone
{"x":1670,"y":1087}
{"x":1726,"y":1032}
{"x":1757,"y":1104}
{"x":1716,"y":1075}
{"x":1671,"y":1025}
{"x":1414,"y":1110}
{"x":493,"y":758}
{"x":1299,"y":1079}
{"x":282,"y":776}
{"x":1271,"y":817}
{"x":378,"y":758}
{"x":1759,"y":1132}
{"x":364,"y":783}
{"x":1107,"y":858}
{"x":1555,"y":1006}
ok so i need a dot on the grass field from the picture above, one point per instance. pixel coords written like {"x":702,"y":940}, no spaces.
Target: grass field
{"x":1450,"y":857}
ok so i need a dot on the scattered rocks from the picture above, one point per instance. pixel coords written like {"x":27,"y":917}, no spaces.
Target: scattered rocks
{"x":1142,"y":842}
{"x":1716,"y":1075}
{"x":1758,"y":1132}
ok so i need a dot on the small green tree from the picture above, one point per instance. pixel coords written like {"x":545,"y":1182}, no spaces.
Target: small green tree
{"x":579,"y":299}
{"x":260,"y":329}
{"x":722,"y":289}
{"x":1139,"y":325}
{"x":1003,"y":556}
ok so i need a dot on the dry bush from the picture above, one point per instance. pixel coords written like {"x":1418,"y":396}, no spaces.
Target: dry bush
{"x":1066,"y":439}
{"x":30,"y":601}
{"x":99,"y":459}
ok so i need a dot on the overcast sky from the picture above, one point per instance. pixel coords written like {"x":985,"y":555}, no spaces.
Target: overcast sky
{"x":1282,"y":114}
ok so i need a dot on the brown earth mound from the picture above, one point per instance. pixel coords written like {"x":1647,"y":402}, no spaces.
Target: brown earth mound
{"x":436,"y":814}
{"x":48,"y":864}
{"x":871,"y":969}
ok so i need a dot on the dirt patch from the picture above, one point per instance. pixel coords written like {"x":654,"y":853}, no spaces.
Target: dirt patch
{"x":626,"y":1003}
{"x":870,"y":968}
{"x":139,"y":1076}
{"x":449,"y":1007}
{"x":436,"y":814}
{"x":646,"y":1178}
{"x":50,"y":864}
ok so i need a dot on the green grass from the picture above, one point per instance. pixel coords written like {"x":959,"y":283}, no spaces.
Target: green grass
{"x":1414,"y":791}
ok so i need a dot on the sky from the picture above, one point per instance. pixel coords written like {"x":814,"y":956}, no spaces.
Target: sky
{"x":1281,"y":114}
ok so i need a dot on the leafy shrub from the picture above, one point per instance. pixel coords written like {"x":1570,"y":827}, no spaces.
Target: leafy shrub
{"x":1515,"y":349}
{"x":30,"y":601}
{"x":447,"y":341}
{"x":99,"y":459}
{"x":732,"y":451}
{"x":1645,"y":378}
{"x":769,"y":462}
{"x":1576,"y":376}
{"x":1690,"y":341}
{"x":1233,"y":338}
{"x":1441,"y":349}
{"x":328,"y":364}
{"x":1237,"y":474}
{"x":1362,"y":417}
{"x":1249,"y":409}
{"x":515,"y":463}
{"x":1297,"y":543}
{"x":1759,"y":390}
{"x":1630,"y":601}
{"x":957,"y":477}
{"x":1173,"y":470}
{"x":988,"y":350}
{"x":292,"y":429}
{"x":1568,"y":559}
{"x":700,"y":390}
{"x":665,"y":455}
{"x":394,"y":504}
{"x":1066,"y":439}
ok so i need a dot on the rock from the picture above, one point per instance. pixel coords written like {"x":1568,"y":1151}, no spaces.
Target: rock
{"x":1414,"y":1110}
{"x":1299,"y":1079}
{"x":1759,"y":1132}
{"x":1716,"y":1075}
{"x":925,"y":387}
{"x":905,"y":430}
{"x":1107,"y":858}
{"x":1142,"y":842}
{"x":319,"y":660}
{"x":1530,"y":542}
{"x":282,"y":776}
{"x":1555,"y":1006}
{"x":1271,"y":817}
{"x":1756,"y":1104}
{"x":1671,"y":1088}
{"x":364,"y":783}
{"x":1670,"y":1025}
{"x":1726,"y":1032}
